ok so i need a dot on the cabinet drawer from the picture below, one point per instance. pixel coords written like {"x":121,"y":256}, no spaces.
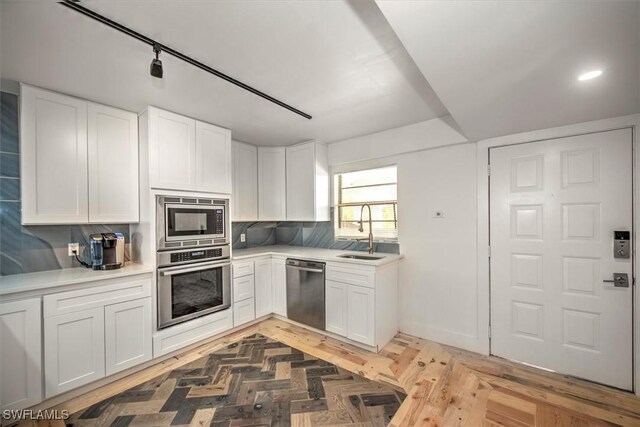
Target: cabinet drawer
{"x":100,"y":295}
{"x":243,"y":312}
{"x":242,"y":268}
{"x":243,"y":288}
{"x":354,"y":275}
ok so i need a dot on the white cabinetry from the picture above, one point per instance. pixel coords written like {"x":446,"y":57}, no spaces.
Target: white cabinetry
{"x":53,"y":152}
{"x":362,"y":302}
{"x":213,"y":158}
{"x":20,"y":354}
{"x":79,"y":160}
{"x":243,"y":292}
{"x":185,"y":154}
{"x":127,"y":328}
{"x":172,"y":150}
{"x":307,"y":182}
{"x":336,"y":307}
{"x":96,"y":331}
{"x":74,"y":350}
{"x":279,"y":283}
{"x":361,"y":317}
{"x":113,"y":165}
{"x":272,"y":201}
{"x":264,"y":290}
{"x":245,"y":182}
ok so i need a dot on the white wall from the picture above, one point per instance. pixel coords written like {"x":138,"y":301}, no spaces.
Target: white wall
{"x":436,"y":171}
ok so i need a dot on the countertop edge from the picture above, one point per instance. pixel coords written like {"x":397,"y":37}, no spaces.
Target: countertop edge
{"x":53,"y":279}
{"x":389,"y":258}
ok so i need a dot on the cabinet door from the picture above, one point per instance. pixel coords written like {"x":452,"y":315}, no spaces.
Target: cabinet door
{"x":245,"y":182}
{"x":172,"y":150}
{"x":73,"y":350}
{"x":20,"y":354}
{"x":243,"y":312}
{"x":279,"y":284}
{"x":213,"y":158}
{"x":336,"y":307}
{"x":127,"y":328}
{"x":301,"y":164}
{"x":361,"y":321}
{"x":113,"y":165}
{"x":53,"y":151}
{"x":264,"y":290}
{"x":272,"y":201}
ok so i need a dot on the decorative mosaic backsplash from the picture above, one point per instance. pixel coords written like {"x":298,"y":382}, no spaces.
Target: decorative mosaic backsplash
{"x":310,"y":234}
{"x":26,"y":249}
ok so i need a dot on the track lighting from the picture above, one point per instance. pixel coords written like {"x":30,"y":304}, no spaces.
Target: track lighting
{"x":156,"y":64}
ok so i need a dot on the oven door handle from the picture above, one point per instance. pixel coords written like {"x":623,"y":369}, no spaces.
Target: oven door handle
{"x":200,"y":267}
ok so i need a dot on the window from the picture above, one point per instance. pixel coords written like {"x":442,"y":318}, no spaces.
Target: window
{"x":376,"y":187}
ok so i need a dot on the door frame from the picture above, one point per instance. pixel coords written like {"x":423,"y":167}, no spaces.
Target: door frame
{"x":482,"y":159}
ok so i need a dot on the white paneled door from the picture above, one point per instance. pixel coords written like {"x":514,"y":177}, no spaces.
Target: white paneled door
{"x":554,"y":207}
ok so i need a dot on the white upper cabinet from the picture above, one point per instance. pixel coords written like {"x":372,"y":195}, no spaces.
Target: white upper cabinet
{"x":186,"y":154}
{"x":172,"y":150}
{"x":245,"y":182}
{"x":213,"y":158}
{"x":79,"y":160}
{"x":113,"y":165}
{"x":307,"y":182}
{"x":53,"y":147}
{"x":272,"y":200}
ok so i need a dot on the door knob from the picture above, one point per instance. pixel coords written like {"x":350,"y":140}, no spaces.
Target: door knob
{"x":620,"y":280}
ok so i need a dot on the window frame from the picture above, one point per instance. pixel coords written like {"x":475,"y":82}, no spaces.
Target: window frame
{"x":338,"y":205}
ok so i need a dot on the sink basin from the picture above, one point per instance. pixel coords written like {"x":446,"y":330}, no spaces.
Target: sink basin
{"x":362,"y":257}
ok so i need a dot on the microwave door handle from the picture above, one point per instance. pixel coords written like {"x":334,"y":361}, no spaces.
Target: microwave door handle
{"x":201,"y":267}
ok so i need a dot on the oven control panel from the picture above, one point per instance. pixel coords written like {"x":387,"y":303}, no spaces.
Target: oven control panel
{"x":196,"y":255}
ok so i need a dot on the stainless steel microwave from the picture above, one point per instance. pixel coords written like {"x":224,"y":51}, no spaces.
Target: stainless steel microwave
{"x":184,"y":222}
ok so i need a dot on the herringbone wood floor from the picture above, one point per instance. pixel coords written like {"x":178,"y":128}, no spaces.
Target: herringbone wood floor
{"x":445,"y":386}
{"x":256,"y":381}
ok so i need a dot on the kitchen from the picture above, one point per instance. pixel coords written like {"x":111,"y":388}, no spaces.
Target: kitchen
{"x":179,"y":247}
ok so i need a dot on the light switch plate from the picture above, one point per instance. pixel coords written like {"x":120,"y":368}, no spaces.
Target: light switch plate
{"x":74,"y":247}
{"x":243,"y":237}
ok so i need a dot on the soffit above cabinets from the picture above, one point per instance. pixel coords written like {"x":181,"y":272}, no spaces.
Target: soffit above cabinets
{"x":339,"y":61}
{"x":508,"y":67}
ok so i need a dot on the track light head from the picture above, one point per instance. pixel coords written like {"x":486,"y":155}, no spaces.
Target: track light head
{"x":156,"y":64}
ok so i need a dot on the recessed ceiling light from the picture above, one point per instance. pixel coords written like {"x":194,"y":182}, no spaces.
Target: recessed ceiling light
{"x":589,"y":75}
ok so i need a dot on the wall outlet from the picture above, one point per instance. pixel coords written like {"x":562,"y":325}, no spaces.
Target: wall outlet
{"x":243,"y":237}
{"x":438,"y":214}
{"x":74,"y":247}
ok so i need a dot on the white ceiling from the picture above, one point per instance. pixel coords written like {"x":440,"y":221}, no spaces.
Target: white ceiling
{"x":503,"y":67}
{"x":338,"y":61}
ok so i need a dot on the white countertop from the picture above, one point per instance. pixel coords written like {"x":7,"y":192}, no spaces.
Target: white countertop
{"x":44,"y":280}
{"x":318,"y":254}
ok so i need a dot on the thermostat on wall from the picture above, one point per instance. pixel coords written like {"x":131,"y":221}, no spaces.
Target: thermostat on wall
{"x":438,"y":214}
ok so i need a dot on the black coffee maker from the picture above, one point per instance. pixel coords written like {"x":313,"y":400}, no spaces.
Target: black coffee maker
{"x":107,"y":251}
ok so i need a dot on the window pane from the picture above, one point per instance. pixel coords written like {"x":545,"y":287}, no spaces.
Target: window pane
{"x":382,"y":215}
{"x":368,"y":177}
{"x":381,"y":193}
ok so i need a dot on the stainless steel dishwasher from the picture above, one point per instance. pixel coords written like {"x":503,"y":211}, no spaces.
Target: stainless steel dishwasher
{"x":305,"y":292}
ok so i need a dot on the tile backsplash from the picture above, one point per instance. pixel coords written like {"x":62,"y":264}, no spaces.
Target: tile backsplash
{"x":310,"y":234}
{"x":26,"y":249}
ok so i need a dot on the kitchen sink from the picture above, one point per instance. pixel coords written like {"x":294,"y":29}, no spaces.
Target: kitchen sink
{"x":362,"y":257}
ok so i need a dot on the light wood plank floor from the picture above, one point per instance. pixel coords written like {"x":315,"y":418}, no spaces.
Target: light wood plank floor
{"x":446,"y":386}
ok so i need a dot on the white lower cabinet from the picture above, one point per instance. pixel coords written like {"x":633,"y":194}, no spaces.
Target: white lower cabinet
{"x":242,"y":288}
{"x":127,"y":327}
{"x":361,"y":318}
{"x":336,"y":307}
{"x":74,"y":350}
{"x":20,"y":354}
{"x":279,"y":284}
{"x":243,"y":312}
{"x":263,"y":288}
{"x":96,"y":331}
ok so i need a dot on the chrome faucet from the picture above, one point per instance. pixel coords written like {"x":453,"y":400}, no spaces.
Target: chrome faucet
{"x":361,"y":229}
